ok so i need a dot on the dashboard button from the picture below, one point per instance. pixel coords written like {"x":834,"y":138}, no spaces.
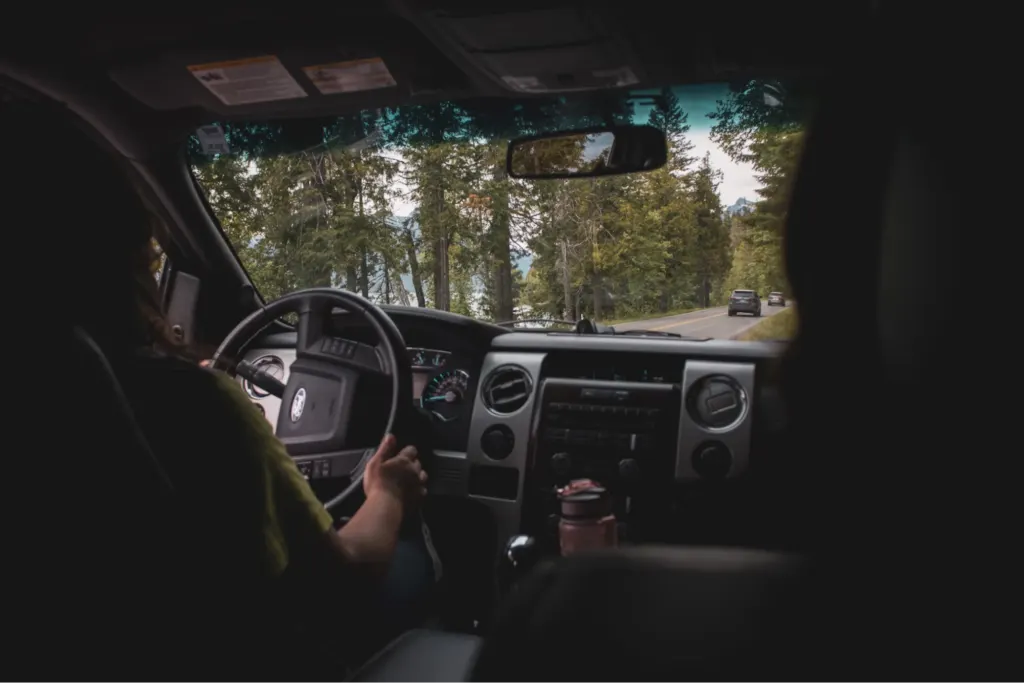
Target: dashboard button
{"x":497,"y":442}
{"x":712,"y":460}
{"x":578,"y":437}
{"x":561,"y":464}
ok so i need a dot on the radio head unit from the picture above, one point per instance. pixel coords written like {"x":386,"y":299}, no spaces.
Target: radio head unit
{"x":586,"y":428}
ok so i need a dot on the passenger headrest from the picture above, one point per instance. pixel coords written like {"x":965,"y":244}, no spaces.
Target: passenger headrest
{"x":651,"y":613}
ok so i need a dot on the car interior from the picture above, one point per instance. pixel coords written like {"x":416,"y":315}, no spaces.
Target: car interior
{"x":788,"y":511}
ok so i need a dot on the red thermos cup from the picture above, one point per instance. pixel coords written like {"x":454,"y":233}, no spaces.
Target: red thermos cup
{"x":587,"y":521}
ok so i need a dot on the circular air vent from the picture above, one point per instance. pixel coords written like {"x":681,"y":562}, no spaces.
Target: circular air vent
{"x":717,"y":402}
{"x":274,"y":366}
{"x":506,"y":389}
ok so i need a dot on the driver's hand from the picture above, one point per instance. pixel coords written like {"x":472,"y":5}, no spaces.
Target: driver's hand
{"x":396,"y":473}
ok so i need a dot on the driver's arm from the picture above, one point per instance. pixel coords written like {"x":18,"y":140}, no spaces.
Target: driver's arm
{"x":297,"y":532}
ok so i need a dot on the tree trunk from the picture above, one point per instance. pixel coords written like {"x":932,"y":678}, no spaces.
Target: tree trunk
{"x":364,"y":276}
{"x":442,"y":289}
{"x":414,"y":267}
{"x":501,"y":237}
{"x":442,"y":295}
{"x":569,"y":307}
{"x":401,"y":291}
{"x":364,"y":280}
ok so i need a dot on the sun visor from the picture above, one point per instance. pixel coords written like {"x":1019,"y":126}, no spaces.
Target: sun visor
{"x":543,"y":51}
{"x":287,"y":81}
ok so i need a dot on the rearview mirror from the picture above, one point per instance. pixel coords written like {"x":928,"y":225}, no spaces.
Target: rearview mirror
{"x":587,"y":153}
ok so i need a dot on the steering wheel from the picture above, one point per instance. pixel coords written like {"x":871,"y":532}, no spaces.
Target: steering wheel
{"x":316,"y":406}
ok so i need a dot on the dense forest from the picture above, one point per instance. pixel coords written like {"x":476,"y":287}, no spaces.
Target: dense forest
{"x":311,"y":203}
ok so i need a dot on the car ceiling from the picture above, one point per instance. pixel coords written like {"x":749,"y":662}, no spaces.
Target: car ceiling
{"x":435,"y":49}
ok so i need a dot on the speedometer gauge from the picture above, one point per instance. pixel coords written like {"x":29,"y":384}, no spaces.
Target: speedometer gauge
{"x":444,"y":394}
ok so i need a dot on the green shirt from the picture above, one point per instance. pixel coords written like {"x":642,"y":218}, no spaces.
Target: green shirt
{"x":226,"y":466}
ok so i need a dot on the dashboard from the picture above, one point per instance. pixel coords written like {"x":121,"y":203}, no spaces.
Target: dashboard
{"x":437,"y":385}
{"x":445,"y":361}
{"x":517,"y":414}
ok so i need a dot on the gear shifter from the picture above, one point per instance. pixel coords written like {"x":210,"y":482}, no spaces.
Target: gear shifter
{"x":519,"y":558}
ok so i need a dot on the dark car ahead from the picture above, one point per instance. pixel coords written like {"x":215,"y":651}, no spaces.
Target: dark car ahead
{"x":776,"y":299}
{"x":744,"y":301}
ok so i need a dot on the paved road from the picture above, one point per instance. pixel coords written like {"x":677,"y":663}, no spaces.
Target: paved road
{"x":710,"y":322}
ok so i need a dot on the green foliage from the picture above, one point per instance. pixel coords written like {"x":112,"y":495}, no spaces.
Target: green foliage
{"x":303,"y":206}
{"x":761,"y":124}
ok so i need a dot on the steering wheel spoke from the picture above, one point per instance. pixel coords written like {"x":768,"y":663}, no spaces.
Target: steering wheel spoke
{"x":362,"y":358}
{"x":317,"y":403}
{"x":315,"y":342}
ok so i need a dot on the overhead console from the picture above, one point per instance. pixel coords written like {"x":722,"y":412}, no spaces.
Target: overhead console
{"x":540,"y":49}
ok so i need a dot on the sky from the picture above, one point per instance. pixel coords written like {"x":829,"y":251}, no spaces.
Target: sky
{"x":697,"y":102}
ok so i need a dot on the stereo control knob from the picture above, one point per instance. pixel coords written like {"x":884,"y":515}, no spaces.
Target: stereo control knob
{"x":497,"y":442}
{"x":629,"y":471}
{"x":712,"y":460}
{"x":561,"y":465}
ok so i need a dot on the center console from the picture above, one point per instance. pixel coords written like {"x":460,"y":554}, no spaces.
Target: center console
{"x":615,"y":424}
{"x":641,"y":424}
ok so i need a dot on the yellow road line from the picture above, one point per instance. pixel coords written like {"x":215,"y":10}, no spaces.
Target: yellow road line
{"x":686,"y":322}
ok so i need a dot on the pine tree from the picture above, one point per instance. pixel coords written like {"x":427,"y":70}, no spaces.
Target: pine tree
{"x":667,"y":115}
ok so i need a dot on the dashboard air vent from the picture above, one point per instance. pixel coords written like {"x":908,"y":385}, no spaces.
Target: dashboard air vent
{"x":507,"y":389}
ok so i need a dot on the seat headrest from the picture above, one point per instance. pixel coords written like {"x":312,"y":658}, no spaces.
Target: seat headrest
{"x":649,"y":613}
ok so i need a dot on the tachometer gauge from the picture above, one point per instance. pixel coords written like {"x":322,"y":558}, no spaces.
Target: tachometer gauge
{"x":444,"y":394}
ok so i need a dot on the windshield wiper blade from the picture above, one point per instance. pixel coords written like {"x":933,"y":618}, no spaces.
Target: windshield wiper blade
{"x":649,"y":333}
{"x":658,"y":333}
{"x":550,"y":321}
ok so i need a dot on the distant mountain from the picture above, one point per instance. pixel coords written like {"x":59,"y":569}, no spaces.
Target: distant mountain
{"x":741,"y":206}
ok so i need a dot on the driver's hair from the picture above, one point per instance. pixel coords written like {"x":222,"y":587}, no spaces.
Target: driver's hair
{"x":75,"y":213}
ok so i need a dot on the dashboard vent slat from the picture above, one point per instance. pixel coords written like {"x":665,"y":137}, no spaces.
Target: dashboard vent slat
{"x":507,"y":389}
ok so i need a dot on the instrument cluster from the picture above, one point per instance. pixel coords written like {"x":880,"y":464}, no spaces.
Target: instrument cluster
{"x":438,"y":386}
{"x":428,"y":359}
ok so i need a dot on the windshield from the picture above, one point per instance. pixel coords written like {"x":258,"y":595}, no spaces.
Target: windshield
{"x":411,"y":206}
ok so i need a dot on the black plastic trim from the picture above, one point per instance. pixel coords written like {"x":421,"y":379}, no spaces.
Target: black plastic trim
{"x":715,"y":348}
